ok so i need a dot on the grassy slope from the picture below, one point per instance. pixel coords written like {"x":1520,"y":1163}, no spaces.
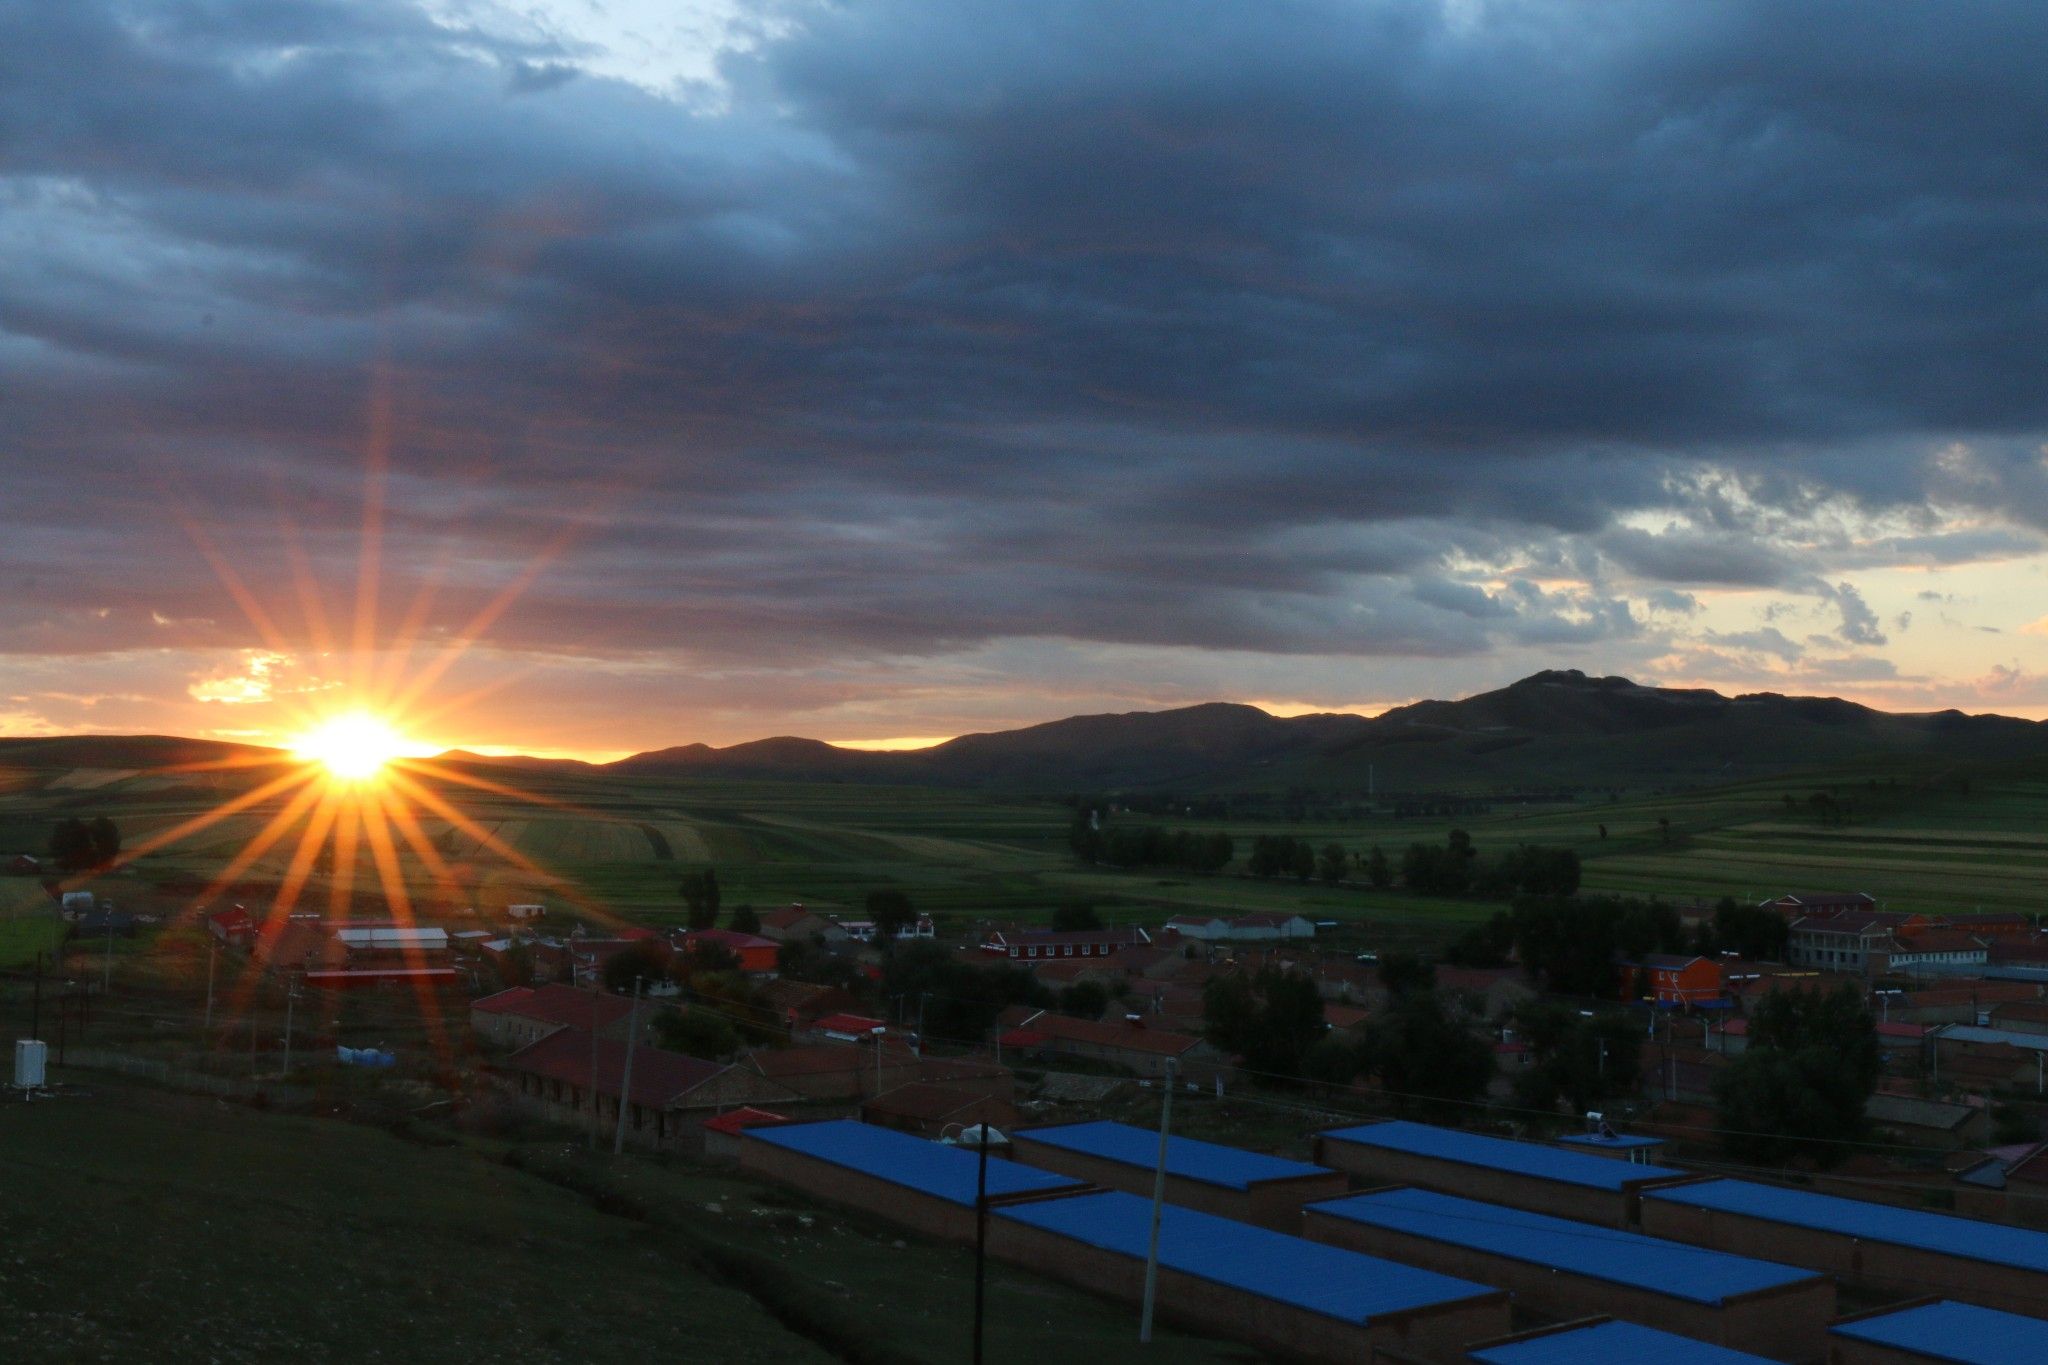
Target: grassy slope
{"x":173,"y":1229}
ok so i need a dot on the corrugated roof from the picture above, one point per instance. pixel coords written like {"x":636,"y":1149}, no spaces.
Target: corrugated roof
{"x":660,"y":1078}
{"x":1500,"y":1154}
{"x":1346,"y":1285}
{"x":556,"y":1004}
{"x":1208,"y":1162}
{"x":1626,"y":1258}
{"x":1995,"y":1243}
{"x":1612,"y":1343}
{"x":1957,"y":1332}
{"x":1612,"y":1142}
{"x":931,"y":1168}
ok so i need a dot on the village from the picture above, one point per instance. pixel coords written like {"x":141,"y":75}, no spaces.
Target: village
{"x":862,"y":1060}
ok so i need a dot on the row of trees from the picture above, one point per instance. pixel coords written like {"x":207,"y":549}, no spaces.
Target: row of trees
{"x":85,"y":845}
{"x":1456,"y":869}
{"x":1181,"y":850}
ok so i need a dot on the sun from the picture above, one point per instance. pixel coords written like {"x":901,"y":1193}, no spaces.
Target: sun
{"x":354,"y":746}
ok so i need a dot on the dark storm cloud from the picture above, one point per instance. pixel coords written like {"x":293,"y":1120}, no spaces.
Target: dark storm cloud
{"x":1236,"y":327}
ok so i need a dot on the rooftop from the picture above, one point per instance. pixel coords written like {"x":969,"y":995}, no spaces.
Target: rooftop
{"x":1125,"y":1035}
{"x":1967,"y":1238}
{"x":1956,"y":1332}
{"x":1209,"y":1163}
{"x":931,"y":1168}
{"x":1501,"y":1154}
{"x":1624,"y":1258}
{"x":1346,"y":1285}
{"x":1610,"y":1343}
{"x":556,"y":1004}
{"x":659,"y":1078}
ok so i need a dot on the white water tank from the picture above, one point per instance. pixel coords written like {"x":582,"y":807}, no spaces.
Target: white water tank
{"x":30,"y":1057}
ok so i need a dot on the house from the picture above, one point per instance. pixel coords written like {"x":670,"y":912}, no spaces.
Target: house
{"x":526,"y":910}
{"x":527,"y":1014}
{"x":1932,"y":948}
{"x":573,"y":1076}
{"x":794,"y":924}
{"x":1671,"y":979}
{"x":1034,"y":945}
{"x":1493,"y":991}
{"x":722,"y":1134}
{"x":24,"y":864}
{"x":366,"y":939}
{"x":757,"y":955}
{"x":1817,"y":904}
{"x":928,"y":1109}
{"x":842,"y":1027}
{"x":299,"y":942}
{"x":1854,"y":941}
{"x":1202,"y":928}
{"x":108,"y":923}
{"x":796,"y":1003}
{"x":1128,"y":1043}
{"x":1930,"y":1123}
{"x":233,"y":927}
{"x":835,"y":1073}
{"x":1263,"y":927}
{"x":864,"y":930}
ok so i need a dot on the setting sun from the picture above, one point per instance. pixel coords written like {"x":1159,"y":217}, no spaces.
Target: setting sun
{"x":354,"y":747}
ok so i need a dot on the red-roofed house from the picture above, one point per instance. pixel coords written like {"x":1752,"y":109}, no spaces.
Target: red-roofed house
{"x":757,"y":955}
{"x":527,"y":1014}
{"x":1127,"y":1043}
{"x":722,"y":1134}
{"x":232,"y":926}
{"x":928,"y":1109}
{"x":557,"y":1074}
{"x":1796,"y":904}
{"x":1671,"y":979}
{"x":1039,"y":945}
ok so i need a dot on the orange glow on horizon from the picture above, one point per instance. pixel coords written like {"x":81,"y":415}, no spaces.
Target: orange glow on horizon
{"x":355,"y":746}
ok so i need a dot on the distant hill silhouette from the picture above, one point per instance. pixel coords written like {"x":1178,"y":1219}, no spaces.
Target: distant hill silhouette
{"x":1555,"y":729}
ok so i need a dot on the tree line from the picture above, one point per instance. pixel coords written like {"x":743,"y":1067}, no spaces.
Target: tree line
{"x":85,"y":845}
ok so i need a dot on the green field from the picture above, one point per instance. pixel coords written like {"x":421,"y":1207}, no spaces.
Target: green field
{"x":144,"y":1225}
{"x":615,"y":847}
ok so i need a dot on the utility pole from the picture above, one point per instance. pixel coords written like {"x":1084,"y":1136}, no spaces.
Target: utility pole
{"x":626,"y":1081}
{"x":291,"y":998}
{"x":981,"y":1233}
{"x":591,"y":1135}
{"x":35,"y":1009}
{"x":879,"y":1035}
{"x":1158,"y":1205}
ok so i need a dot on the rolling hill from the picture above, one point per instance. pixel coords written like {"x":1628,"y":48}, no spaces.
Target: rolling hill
{"x":1559,"y":730}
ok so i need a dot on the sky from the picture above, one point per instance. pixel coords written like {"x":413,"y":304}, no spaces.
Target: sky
{"x":598,"y":375}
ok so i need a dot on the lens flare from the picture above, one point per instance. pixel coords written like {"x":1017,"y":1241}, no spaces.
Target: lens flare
{"x":354,"y":746}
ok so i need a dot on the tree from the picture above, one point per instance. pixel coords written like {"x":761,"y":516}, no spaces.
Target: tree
{"x":1573,"y":1058}
{"x":701,"y":958}
{"x":700,"y":898}
{"x":1074,"y":916}
{"x":643,"y":961}
{"x":810,"y":961}
{"x":1378,"y":871}
{"x":1424,"y":1057}
{"x":1271,"y":1023}
{"x":1800,"y":1088}
{"x":745,"y":920}
{"x":105,"y":837}
{"x":890,"y":909}
{"x":515,"y":965}
{"x":71,"y":845}
{"x":646,"y":960}
{"x":1332,"y":863}
{"x":963,"y":1000}
{"x":1303,"y":861}
{"x":1483,"y":945}
{"x":1084,"y":1000}
{"x":697,"y":1033}
{"x":1406,"y":974}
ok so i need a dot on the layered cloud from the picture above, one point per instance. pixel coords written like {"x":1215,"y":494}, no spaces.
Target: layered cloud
{"x":823,"y":351}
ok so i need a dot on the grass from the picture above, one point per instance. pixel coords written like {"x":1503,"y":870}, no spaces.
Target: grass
{"x":168,"y":1228}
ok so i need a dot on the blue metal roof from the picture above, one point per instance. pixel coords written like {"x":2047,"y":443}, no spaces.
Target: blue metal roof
{"x":1327,"y":1280}
{"x":1208,"y":1162}
{"x":1957,"y":1332}
{"x":1500,"y":1154}
{"x":1618,"y":1143}
{"x":930,"y":1168}
{"x":1995,"y":1243}
{"x":1627,"y":1258}
{"x":1612,"y":1343}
